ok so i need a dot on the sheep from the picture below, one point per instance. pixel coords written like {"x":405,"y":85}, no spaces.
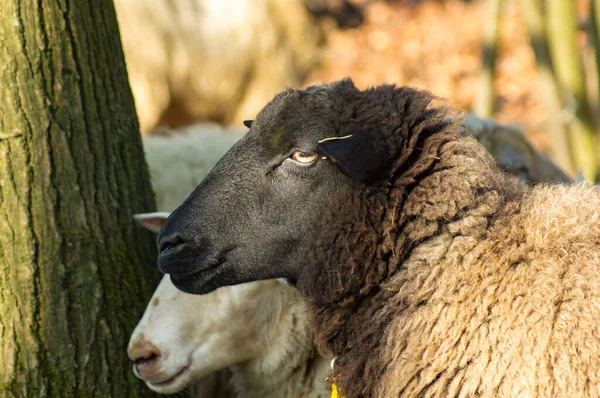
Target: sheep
{"x":429,"y":272}
{"x":178,"y":161}
{"x":258,"y":330}
{"x":205,"y":60}
{"x":175,"y":169}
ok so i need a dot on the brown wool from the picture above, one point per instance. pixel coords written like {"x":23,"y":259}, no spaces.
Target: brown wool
{"x":449,"y":277}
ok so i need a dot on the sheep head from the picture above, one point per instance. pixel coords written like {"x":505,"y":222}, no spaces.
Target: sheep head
{"x":311,"y":155}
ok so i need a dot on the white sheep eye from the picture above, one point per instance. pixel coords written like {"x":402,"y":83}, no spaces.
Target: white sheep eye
{"x":303,"y":157}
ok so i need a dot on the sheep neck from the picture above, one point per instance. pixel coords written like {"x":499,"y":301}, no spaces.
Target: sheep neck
{"x":446,"y":183}
{"x":288,"y":364}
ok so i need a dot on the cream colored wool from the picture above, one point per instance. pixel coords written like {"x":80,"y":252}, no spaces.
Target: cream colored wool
{"x":443,"y":276}
{"x":516,"y":314}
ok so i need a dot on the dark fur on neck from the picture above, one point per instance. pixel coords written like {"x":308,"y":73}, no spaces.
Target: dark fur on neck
{"x":439,"y":175}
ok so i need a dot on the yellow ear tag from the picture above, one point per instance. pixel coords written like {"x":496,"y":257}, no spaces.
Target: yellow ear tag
{"x":334,"y":391}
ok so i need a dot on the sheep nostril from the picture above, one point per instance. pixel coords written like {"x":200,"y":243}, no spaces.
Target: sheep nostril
{"x":170,"y":242}
{"x":144,"y":362}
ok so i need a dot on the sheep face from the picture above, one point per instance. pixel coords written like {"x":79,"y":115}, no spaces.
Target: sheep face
{"x":182,"y":338}
{"x":262,"y":202}
{"x":308,"y":156}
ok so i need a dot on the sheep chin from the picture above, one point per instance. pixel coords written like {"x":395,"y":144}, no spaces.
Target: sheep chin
{"x":172,"y":384}
{"x":199,"y":282}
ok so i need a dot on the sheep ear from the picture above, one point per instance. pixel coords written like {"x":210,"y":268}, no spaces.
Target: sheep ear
{"x":248,"y":123}
{"x":151,"y":221}
{"x":359,"y":155}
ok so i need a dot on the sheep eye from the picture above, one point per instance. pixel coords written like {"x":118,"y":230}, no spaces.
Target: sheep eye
{"x":303,"y":157}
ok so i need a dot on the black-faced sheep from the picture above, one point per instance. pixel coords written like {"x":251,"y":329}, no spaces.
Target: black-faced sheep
{"x":178,"y":160}
{"x":429,"y":271}
{"x":259,"y":328}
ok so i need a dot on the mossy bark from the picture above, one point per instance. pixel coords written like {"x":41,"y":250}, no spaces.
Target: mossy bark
{"x":74,"y":271}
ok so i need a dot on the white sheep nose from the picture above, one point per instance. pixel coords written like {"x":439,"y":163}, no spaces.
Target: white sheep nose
{"x":145,"y":356}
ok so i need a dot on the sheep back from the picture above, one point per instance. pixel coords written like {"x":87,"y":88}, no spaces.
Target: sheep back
{"x":508,"y":312}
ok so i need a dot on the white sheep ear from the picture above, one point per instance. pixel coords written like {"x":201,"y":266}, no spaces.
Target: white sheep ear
{"x":151,"y":221}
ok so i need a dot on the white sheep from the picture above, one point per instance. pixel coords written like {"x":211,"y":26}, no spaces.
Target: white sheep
{"x":191,"y":60}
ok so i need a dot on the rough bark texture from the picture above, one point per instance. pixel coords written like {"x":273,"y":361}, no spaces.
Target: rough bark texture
{"x":73,"y":269}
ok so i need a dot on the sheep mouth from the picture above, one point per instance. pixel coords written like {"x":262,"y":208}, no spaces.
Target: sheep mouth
{"x":170,"y":379}
{"x":199,"y":274}
{"x":202,"y":280}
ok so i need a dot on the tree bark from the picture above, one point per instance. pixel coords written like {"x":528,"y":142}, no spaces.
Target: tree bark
{"x":74,"y":272}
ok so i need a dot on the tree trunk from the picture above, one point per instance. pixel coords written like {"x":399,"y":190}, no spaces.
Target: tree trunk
{"x":74,"y":272}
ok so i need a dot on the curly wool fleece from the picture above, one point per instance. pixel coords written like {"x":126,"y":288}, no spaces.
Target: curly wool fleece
{"x":448,"y":277}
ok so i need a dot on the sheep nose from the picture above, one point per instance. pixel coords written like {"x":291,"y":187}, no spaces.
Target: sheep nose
{"x":145,"y":356}
{"x":146,"y":368}
{"x":170,"y":242}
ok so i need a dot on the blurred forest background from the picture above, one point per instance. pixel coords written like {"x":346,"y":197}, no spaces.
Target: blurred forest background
{"x":526,"y":62}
